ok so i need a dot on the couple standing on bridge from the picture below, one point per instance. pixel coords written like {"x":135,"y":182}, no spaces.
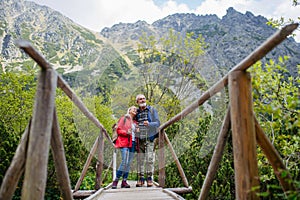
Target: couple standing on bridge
{"x":136,"y":132}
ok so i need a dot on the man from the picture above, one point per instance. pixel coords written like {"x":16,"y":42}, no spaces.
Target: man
{"x":148,"y":122}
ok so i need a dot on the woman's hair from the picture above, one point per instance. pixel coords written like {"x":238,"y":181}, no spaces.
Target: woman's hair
{"x":128,"y":110}
{"x":127,"y":115}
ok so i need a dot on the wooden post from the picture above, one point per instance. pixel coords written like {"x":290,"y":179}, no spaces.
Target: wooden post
{"x":161,"y":159}
{"x":87,"y":164}
{"x":60,"y":160}
{"x":243,"y":135}
{"x":16,"y":168}
{"x":114,"y":164}
{"x":274,"y":158}
{"x":217,"y":156}
{"x":99,"y":166}
{"x":107,"y":171}
{"x":179,"y":167}
{"x":39,"y":137}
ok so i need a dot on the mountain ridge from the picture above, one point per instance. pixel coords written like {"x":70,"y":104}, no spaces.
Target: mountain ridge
{"x":230,"y":38}
{"x":71,"y":47}
{"x":46,"y":29}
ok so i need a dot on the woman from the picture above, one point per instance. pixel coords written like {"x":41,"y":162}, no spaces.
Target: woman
{"x":126,"y":143}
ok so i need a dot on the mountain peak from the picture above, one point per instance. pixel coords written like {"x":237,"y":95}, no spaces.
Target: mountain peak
{"x":229,"y":39}
{"x":66,"y":43}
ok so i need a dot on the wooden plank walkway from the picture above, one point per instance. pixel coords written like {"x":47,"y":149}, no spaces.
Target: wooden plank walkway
{"x":145,"y":193}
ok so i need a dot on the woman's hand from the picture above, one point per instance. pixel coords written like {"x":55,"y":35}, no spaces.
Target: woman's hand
{"x":129,"y":131}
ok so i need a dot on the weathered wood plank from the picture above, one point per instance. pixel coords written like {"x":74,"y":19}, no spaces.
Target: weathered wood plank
{"x":161,"y":159}
{"x":99,"y":166}
{"x":39,"y":137}
{"x":173,"y":194}
{"x":243,"y":135}
{"x":145,"y":193}
{"x":107,"y":171}
{"x":60,"y":160}
{"x":179,"y":167}
{"x":87,"y":164}
{"x":274,"y":158}
{"x":216,"y":158}
{"x":182,"y":190}
{"x":83,"y":194}
{"x":80,"y":105}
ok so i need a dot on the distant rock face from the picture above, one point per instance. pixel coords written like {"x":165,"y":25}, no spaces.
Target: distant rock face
{"x":230,"y":39}
{"x":73,"y":48}
{"x":65,"y":44}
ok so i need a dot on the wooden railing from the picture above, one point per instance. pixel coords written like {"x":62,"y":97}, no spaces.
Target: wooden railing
{"x":43,"y":131}
{"x":246,"y":131}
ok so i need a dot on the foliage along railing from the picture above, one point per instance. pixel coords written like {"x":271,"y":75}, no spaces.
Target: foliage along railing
{"x":43,"y":130}
{"x":246,"y":130}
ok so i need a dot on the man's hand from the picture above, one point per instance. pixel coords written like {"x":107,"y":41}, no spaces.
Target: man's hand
{"x":146,"y":123}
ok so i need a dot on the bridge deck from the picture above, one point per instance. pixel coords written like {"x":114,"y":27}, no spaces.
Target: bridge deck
{"x":145,"y":193}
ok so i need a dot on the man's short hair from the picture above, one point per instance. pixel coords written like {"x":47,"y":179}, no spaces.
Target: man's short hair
{"x":138,"y":96}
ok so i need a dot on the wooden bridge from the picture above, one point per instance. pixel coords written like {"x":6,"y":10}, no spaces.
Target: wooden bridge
{"x":144,"y":193}
{"x":43,"y":131}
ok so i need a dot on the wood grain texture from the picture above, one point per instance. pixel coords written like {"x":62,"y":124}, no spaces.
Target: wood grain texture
{"x":39,"y":137}
{"x":243,"y":135}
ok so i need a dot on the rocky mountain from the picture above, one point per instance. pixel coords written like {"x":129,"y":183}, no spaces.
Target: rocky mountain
{"x":229,"y":39}
{"x":65,"y":44}
{"x":73,"y":49}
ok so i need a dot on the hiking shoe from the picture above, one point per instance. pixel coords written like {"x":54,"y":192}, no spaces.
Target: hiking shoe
{"x":149,"y":182}
{"x":125,"y":184}
{"x":140,"y":182}
{"x":115,"y":184}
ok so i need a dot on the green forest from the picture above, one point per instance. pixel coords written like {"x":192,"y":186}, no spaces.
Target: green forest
{"x":276,"y":103}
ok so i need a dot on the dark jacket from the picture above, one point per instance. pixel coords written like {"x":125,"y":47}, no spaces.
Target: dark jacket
{"x":154,"y":122}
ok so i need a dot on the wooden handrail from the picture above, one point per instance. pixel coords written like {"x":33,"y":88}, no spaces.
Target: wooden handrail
{"x":255,"y":56}
{"x":42,"y":62}
{"x":60,"y":82}
{"x":87,"y":164}
{"x":274,"y":158}
{"x":59,"y":158}
{"x":217,"y":156}
{"x":179,"y":167}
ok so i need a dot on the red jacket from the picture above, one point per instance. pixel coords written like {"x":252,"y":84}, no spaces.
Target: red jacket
{"x":124,"y":139}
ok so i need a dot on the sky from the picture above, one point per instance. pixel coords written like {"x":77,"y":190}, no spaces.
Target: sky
{"x":97,"y":14}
